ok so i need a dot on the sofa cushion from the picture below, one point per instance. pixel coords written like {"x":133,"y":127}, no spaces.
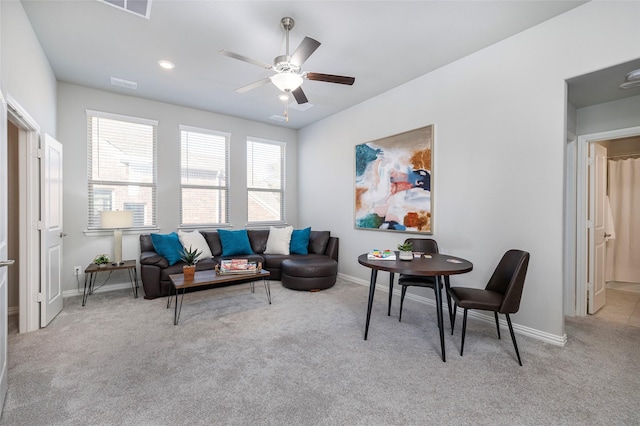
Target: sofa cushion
{"x":300,"y":241}
{"x":279,"y":239}
{"x":196,"y":241}
{"x":258,"y":239}
{"x":234,"y":242}
{"x":318,"y":241}
{"x":213,"y":240}
{"x":167,"y":246}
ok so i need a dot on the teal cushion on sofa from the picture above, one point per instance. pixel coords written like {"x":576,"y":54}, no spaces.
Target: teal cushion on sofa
{"x":167,"y":246}
{"x":234,"y":242}
{"x":300,"y":241}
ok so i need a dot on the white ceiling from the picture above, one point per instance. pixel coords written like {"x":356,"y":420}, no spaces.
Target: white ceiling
{"x":382,"y":44}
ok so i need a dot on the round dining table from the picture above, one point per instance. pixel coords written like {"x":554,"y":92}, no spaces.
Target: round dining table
{"x":434,"y":264}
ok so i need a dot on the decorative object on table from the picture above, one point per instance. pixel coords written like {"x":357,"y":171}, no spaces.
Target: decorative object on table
{"x":406,"y":251}
{"x":116,"y":220}
{"x":102,"y":260}
{"x":393,"y":188}
{"x":376,"y":254}
{"x":238,"y":266}
{"x":190,"y":256}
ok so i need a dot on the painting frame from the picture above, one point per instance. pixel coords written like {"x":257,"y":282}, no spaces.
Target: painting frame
{"x":394,"y":177}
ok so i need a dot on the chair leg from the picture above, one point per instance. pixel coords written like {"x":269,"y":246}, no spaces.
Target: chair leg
{"x":404,"y":291}
{"x":513,"y":337}
{"x":453,"y":317}
{"x":464,"y":330}
{"x":497,"y":323}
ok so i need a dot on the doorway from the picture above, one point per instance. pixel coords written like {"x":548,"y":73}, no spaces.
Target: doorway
{"x":619,"y":141}
{"x":24,"y":214}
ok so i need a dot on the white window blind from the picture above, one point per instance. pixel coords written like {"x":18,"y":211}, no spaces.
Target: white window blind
{"x":204,"y":183}
{"x":265,"y":181}
{"x":121,"y":167}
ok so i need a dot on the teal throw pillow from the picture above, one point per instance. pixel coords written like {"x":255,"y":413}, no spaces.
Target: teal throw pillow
{"x":300,"y":241}
{"x":167,"y":246}
{"x":234,"y":242}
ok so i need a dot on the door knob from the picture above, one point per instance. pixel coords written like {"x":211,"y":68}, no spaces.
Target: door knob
{"x":6,"y":262}
{"x":63,"y":234}
{"x":607,"y":235}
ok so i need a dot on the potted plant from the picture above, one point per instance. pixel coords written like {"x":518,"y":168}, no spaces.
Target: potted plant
{"x":102,"y":260}
{"x":190,"y":256}
{"x":406,"y":251}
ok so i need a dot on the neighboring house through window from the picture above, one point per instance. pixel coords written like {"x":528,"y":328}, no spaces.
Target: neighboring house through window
{"x":121,"y":167}
{"x":204,"y":163}
{"x":265,"y":181}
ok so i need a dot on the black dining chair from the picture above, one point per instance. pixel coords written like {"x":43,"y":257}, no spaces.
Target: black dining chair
{"x":501,"y":295}
{"x":426,"y":246}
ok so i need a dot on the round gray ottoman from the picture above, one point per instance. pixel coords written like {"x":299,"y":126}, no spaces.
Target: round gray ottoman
{"x":309,"y":274}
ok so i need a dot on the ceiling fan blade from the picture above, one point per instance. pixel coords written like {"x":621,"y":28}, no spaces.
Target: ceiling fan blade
{"x":340,"y":79}
{"x":301,"y":98}
{"x":244,"y":58}
{"x":253,"y":85}
{"x":304,"y":50}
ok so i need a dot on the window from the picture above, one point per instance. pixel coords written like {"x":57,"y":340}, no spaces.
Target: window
{"x":204,"y":184}
{"x":121,"y":167}
{"x":265,"y":181}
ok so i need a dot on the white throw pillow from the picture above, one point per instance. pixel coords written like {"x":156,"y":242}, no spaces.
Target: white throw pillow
{"x":195,"y":240}
{"x":279,"y":239}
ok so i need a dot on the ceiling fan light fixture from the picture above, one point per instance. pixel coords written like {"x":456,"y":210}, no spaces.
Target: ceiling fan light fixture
{"x":286,"y":81}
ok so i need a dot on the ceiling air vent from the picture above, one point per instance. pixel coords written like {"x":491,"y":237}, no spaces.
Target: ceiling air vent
{"x":121,"y":82}
{"x":137,"y":7}
{"x":277,"y":118}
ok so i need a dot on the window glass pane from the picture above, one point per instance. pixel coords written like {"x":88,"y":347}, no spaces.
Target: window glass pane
{"x":121,"y":167}
{"x":264,"y":206}
{"x":121,"y":151}
{"x":123,"y":197}
{"x":203,"y":160}
{"x":203,"y":206}
{"x":264,"y":162}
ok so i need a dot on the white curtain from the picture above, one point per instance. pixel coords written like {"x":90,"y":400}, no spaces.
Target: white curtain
{"x":624,"y":194}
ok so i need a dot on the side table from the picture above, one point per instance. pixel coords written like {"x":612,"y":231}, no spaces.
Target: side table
{"x":92,"y":271}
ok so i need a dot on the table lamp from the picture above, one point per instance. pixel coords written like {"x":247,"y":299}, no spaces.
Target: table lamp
{"x":116,"y":220}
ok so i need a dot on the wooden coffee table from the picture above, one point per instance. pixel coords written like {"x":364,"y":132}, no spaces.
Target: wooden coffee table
{"x":204,"y":278}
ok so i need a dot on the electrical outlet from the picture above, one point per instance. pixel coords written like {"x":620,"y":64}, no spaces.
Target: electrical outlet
{"x":77,"y":270}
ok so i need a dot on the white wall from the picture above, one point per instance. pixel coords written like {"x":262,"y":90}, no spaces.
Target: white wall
{"x":500,"y":126}
{"x":26,"y":73}
{"x":73,"y":101}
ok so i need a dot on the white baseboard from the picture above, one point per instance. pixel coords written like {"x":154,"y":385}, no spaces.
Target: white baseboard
{"x":102,"y":289}
{"x":517,"y":328}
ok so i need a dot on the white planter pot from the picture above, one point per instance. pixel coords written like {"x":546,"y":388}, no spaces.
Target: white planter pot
{"x":405,"y":255}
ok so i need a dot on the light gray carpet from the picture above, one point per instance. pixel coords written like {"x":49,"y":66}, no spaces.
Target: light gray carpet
{"x":234,"y":359}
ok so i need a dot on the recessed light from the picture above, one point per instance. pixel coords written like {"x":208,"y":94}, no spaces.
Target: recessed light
{"x":167,"y":65}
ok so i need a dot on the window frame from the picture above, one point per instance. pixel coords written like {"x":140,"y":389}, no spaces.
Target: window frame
{"x":95,"y":228}
{"x":281,"y":191}
{"x":226,"y":186}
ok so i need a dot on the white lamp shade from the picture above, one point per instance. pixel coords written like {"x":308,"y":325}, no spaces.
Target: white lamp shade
{"x":287,"y":81}
{"x":116,"y":219}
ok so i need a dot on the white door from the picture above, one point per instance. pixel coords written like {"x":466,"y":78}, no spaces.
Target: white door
{"x":52,"y":232}
{"x":3,"y":251}
{"x":597,"y":242}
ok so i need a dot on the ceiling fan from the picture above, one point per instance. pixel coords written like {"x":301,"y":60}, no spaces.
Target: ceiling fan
{"x":289,"y":75}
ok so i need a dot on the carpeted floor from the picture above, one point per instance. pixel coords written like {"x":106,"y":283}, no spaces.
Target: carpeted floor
{"x":236,"y":360}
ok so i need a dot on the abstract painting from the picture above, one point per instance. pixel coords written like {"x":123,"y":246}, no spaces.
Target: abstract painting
{"x":394,"y":177}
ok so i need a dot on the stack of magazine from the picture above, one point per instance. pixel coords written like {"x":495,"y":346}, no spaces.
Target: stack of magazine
{"x":381,"y":255}
{"x":238,"y":266}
